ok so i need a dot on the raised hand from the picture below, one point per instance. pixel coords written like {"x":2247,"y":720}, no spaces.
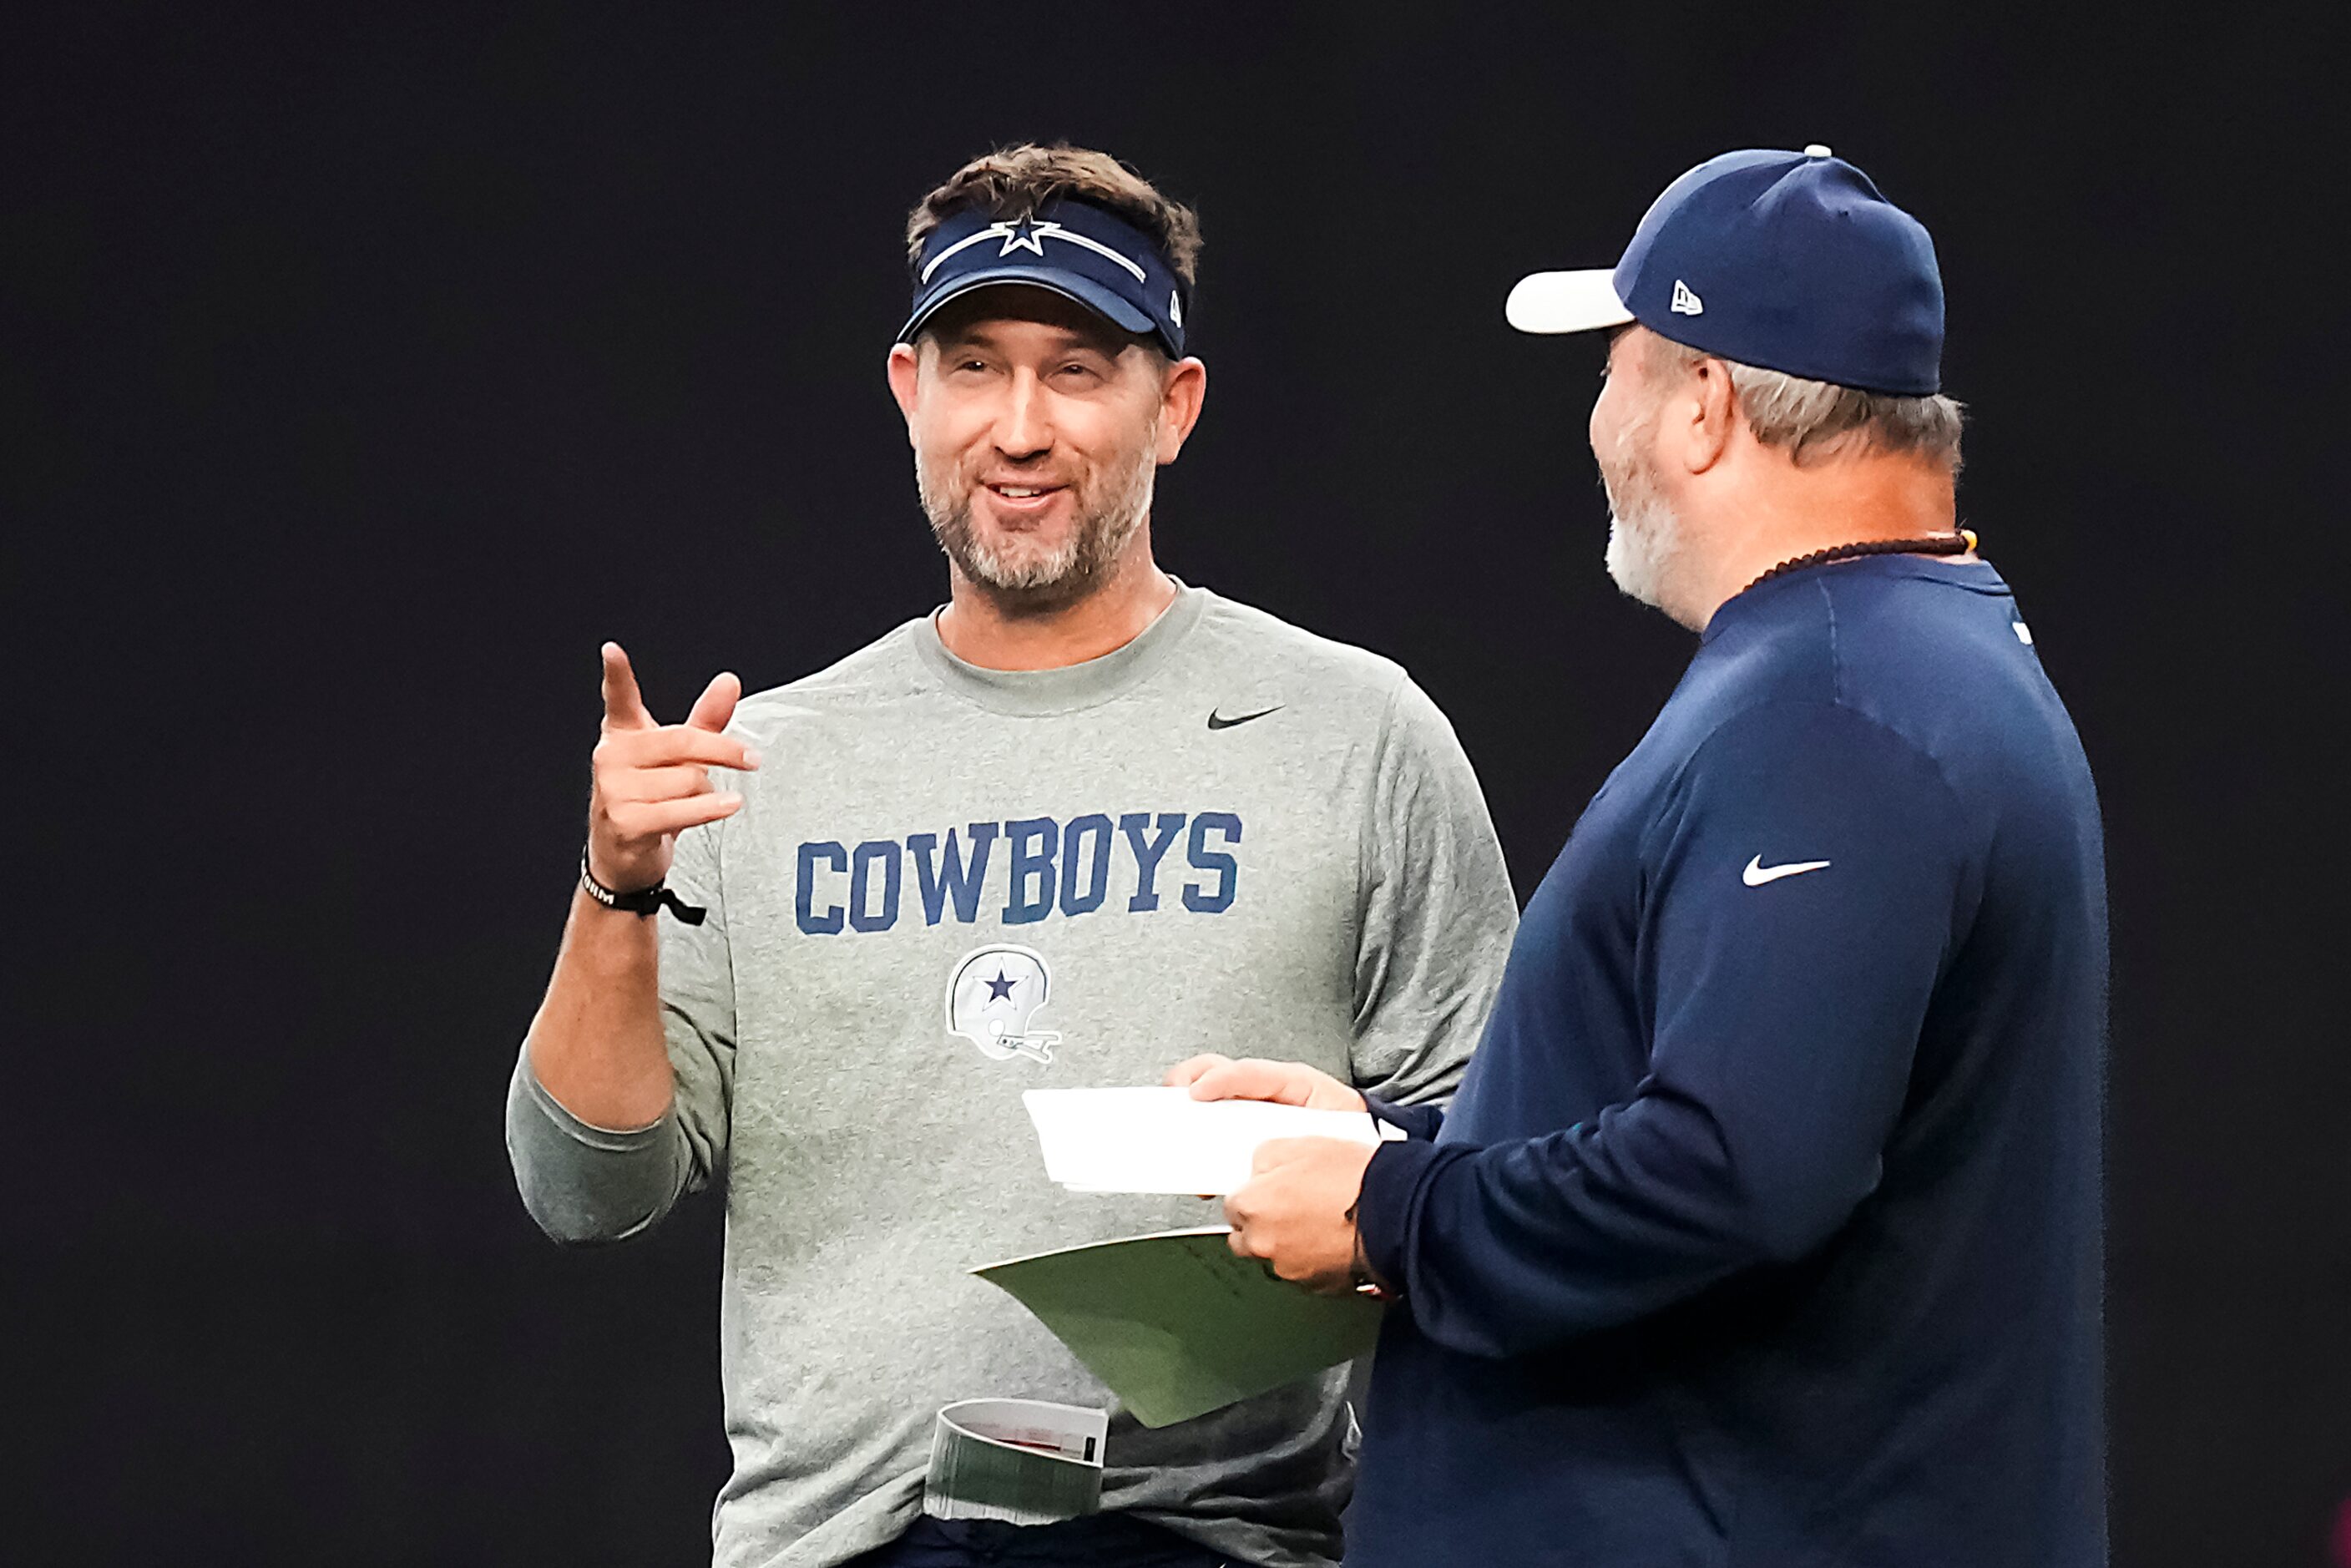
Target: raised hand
{"x":652,"y":781}
{"x":1214,"y":1077}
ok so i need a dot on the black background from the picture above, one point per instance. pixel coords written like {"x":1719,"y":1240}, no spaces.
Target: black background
{"x":364,"y":369}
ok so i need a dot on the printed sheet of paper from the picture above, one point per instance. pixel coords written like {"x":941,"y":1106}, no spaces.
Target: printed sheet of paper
{"x":1023,"y":1461}
{"x":1163,"y":1140}
{"x":1177,"y":1326}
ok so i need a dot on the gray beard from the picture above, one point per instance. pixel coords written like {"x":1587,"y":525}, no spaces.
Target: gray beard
{"x":1644,"y":539}
{"x":1025,"y":581}
{"x":1645,"y":536}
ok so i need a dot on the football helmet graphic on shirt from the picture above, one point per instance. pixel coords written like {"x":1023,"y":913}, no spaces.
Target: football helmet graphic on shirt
{"x":993,"y":993}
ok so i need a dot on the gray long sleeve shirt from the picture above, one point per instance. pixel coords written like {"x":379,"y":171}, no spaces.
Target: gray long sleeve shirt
{"x":948,"y":885}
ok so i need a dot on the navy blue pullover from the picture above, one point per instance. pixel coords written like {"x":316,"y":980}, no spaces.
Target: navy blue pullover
{"x":1766,"y":1227}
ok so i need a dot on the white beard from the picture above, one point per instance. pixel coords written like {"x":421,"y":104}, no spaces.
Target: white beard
{"x":1643,"y":543}
{"x":1645,"y":533}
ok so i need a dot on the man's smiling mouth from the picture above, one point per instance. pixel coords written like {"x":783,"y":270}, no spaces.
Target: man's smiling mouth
{"x":1017,"y":500}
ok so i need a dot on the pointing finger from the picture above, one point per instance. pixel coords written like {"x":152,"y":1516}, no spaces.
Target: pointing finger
{"x":715,"y":706}
{"x":624,"y":706}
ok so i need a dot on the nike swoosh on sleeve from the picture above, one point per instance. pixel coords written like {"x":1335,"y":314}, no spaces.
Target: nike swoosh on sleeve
{"x":1757,"y":873}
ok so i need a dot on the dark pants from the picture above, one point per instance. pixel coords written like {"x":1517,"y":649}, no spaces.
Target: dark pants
{"x":1099,"y":1540}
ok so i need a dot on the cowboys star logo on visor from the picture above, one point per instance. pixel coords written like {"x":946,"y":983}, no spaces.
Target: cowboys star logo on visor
{"x":1075,"y":249}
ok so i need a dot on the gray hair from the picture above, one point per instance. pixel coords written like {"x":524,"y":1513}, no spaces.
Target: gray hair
{"x":1819,"y":419}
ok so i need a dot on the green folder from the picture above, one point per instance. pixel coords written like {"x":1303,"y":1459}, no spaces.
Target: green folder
{"x":1177,"y":1326}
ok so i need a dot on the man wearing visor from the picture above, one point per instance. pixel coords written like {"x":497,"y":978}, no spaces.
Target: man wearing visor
{"x":1081,"y":818}
{"x":1766,"y":1227}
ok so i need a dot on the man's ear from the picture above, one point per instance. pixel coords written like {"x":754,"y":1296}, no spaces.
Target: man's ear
{"x":1182,"y":391}
{"x":906,"y":375}
{"x":1711,"y":412}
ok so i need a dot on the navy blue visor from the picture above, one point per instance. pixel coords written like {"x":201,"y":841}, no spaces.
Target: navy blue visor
{"x":1076,"y":250}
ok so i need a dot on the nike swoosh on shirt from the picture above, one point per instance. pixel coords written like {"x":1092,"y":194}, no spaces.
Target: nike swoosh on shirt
{"x":1757,"y":873}
{"x":1218,"y":721}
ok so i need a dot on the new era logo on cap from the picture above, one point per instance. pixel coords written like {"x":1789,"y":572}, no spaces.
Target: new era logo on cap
{"x":1685,"y":302}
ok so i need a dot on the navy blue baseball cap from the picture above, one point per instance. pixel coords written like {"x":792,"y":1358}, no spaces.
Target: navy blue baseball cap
{"x":1070,"y":246}
{"x":1789,"y":261}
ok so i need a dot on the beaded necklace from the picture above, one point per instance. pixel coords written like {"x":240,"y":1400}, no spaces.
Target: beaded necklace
{"x":1958,"y":543}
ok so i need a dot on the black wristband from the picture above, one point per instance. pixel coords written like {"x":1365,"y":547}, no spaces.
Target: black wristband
{"x":1359,"y":1273}
{"x":644,"y":900}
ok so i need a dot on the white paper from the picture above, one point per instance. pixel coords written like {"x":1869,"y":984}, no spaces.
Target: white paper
{"x":1163,"y":1140}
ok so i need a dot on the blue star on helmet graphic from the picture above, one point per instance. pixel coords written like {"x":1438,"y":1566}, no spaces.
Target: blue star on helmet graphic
{"x":999,"y":989}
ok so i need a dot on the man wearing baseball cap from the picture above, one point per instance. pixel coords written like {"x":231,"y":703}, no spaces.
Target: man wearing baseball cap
{"x":1766,"y":1227}
{"x":1080,"y":811}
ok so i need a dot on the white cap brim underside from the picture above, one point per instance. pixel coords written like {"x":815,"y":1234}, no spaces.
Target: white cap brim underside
{"x":1565,"y":302}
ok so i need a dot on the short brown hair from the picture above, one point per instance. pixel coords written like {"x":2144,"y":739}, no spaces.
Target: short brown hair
{"x":1014,"y":182}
